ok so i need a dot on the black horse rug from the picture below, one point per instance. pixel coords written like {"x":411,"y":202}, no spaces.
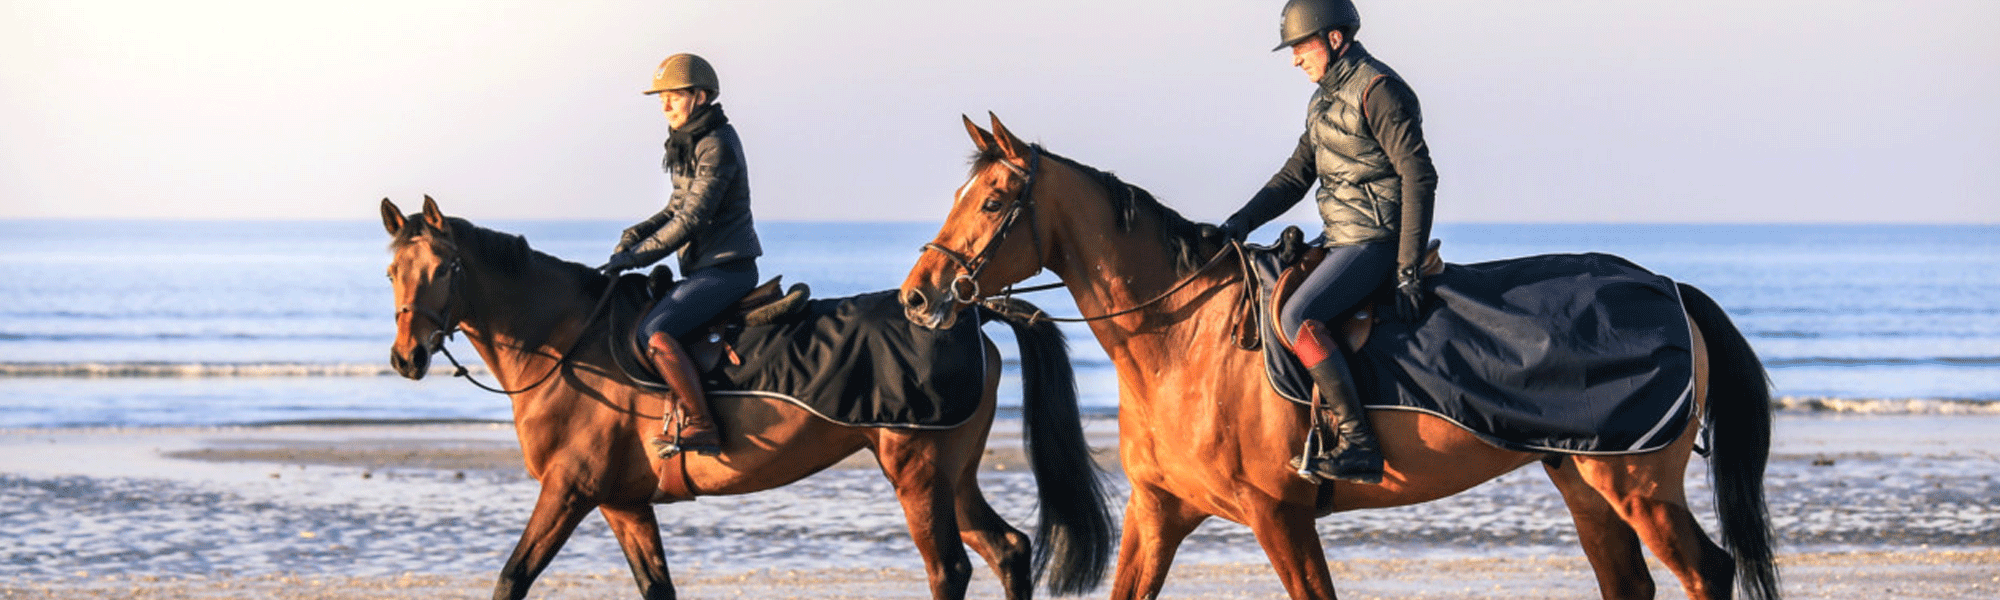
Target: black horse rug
{"x":1567,"y":353}
{"x":858,"y":361}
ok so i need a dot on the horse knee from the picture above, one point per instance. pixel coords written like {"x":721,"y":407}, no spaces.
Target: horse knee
{"x":951,"y":575}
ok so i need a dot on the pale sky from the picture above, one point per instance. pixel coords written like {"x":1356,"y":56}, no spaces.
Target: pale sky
{"x":1536,"y":110}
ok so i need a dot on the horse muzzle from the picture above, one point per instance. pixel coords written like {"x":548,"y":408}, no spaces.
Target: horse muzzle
{"x":926,"y":309}
{"x":413,"y":365}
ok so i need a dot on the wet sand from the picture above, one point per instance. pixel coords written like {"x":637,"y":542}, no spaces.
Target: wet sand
{"x":1958,"y":575}
{"x":1878,"y":506}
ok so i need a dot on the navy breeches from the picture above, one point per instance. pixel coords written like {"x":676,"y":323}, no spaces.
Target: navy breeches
{"x":1347,"y":276}
{"x":699,"y":297}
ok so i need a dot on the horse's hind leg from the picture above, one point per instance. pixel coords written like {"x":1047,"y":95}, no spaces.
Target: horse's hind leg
{"x":927,"y":492}
{"x":1647,"y":492}
{"x":1005,"y":548}
{"x":638,"y":532}
{"x":1611,"y":545}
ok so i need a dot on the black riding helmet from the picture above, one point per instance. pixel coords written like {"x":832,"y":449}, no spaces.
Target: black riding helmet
{"x":1306,"y":18}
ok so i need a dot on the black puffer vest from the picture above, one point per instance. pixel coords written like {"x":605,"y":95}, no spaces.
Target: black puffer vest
{"x":1360,"y":195}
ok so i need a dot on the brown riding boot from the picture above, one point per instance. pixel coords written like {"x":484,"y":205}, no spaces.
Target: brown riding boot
{"x":687,"y":427}
{"x":1358,"y":457}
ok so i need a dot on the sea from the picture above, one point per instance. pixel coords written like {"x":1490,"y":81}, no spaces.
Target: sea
{"x":193,"y":323}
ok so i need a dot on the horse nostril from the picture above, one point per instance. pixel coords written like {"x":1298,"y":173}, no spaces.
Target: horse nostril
{"x":913,"y":299}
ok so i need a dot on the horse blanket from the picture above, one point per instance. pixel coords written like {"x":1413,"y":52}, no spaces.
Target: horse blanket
{"x":1567,"y":353}
{"x":858,"y":361}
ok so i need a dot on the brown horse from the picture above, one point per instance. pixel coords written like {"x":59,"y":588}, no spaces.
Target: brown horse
{"x":1203,"y":435}
{"x":581,"y":427}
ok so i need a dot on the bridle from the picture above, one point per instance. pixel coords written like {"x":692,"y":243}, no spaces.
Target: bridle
{"x":446,"y":327}
{"x":1024,"y":203}
{"x":971,"y":266}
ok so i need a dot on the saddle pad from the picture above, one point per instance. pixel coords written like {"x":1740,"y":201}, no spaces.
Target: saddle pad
{"x":858,"y":361}
{"x":1567,"y":353}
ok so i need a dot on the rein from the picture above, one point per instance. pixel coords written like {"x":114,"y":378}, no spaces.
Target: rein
{"x":446,"y":328}
{"x":970,"y":267}
{"x":1040,"y":315}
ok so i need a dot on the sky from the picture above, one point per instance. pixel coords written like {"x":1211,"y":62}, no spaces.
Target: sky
{"x":1694,"y":111}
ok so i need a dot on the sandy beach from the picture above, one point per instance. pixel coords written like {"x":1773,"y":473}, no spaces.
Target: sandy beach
{"x":1885,"y":506}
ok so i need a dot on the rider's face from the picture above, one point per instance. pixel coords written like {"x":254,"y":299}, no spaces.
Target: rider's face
{"x":1311,"y":54}
{"x":679,"y":104}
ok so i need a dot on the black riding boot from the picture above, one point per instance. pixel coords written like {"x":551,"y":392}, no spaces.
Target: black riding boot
{"x":1357,"y":457}
{"x":687,"y":427}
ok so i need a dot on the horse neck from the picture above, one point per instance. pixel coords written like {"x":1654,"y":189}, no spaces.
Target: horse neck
{"x":1108,"y":270}
{"x":518,"y":321}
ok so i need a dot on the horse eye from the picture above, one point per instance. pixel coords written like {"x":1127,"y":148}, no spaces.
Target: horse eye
{"x":991,"y":206}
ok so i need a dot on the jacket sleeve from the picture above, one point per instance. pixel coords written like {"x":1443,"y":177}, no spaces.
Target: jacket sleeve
{"x":1278,"y":195}
{"x":715,"y":166}
{"x":1397,"y":121}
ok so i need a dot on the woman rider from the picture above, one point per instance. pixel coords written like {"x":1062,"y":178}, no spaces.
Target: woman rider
{"x":707,"y":220}
{"x":1364,"y":145}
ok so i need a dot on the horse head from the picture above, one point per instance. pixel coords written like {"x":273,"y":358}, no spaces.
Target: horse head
{"x":989,"y":241}
{"x":423,"y":272}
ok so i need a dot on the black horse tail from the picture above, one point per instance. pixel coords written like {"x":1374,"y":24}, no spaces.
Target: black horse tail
{"x":1075,"y":527}
{"x":1739,"y":438}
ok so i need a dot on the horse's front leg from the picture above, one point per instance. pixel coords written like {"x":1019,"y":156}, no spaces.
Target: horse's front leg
{"x":1286,"y":532}
{"x":556,"y":514}
{"x":638,"y":534}
{"x":1155,"y":524}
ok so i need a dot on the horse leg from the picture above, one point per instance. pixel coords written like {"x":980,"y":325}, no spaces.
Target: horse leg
{"x":1155,"y":525}
{"x":1611,"y":545}
{"x":926,"y":493}
{"x":1004,"y":547}
{"x":1655,"y":505}
{"x":1292,"y":544}
{"x":638,"y":534}
{"x":556,"y":514}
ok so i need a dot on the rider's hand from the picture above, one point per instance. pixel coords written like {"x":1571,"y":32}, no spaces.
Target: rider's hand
{"x":1409,"y":294}
{"x":1235,"y":230}
{"x":619,"y":261}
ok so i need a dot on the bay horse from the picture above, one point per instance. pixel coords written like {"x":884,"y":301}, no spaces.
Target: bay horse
{"x":1202,"y":434}
{"x":581,"y":422}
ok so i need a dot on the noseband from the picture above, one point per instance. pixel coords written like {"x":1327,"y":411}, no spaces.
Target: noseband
{"x":971,"y":266}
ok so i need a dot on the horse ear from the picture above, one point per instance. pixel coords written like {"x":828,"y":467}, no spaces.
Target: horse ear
{"x":980,"y":138}
{"x":434,"y":217}
{"x":392,"y":217}
{"x":1012,"y":146}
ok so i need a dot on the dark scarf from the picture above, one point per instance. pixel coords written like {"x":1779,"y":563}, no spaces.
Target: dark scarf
{"x":680,"y":143}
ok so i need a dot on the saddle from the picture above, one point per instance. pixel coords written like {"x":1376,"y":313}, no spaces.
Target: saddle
{"x":1280,"y":268}
{"x":709,"y":344}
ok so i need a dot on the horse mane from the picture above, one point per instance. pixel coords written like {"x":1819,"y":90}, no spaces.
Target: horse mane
{"x":507,"y":253}
{"x":1182,"y":238}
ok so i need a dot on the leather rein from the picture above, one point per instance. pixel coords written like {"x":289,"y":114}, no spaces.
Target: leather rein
{"x":446,"y":327}
{"x":1024,"y":203}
